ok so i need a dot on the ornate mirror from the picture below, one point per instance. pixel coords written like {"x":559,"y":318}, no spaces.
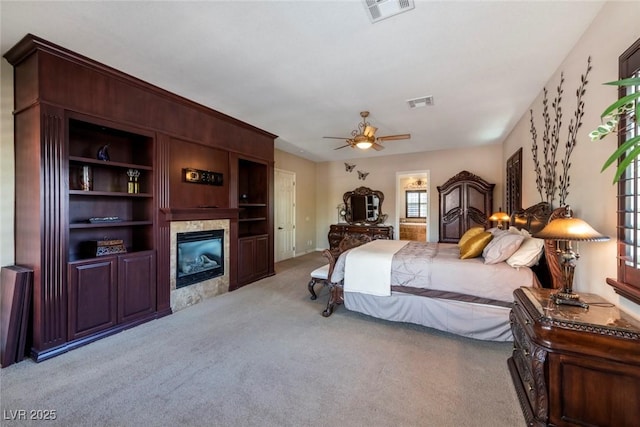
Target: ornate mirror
{"x":364,"y":206}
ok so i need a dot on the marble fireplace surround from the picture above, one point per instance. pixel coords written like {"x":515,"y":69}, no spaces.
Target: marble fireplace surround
{"x":194,"y":293}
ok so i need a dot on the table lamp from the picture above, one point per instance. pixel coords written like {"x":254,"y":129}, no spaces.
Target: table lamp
{"x":567,"y":230}
{"x":499,"y":217}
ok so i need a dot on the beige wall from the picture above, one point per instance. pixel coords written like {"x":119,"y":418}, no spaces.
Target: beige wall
{"x":7,"y":171}
{"x":591,"y":194}
{"x":333,"y":180}
{"x":305,"y":171}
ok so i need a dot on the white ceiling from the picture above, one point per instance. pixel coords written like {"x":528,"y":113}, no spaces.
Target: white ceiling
{"x":305,"y":69}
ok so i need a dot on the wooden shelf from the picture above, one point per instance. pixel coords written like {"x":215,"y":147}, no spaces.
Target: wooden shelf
{"x":252,"y":219}
{"x":109,"y":224}
{"x":108,"y":193}
{"x":109,"y":163}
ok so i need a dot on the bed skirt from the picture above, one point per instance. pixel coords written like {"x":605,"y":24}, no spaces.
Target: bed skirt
{"x":472,"y":320}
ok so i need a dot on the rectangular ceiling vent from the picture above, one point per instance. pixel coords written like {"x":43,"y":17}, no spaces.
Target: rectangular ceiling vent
{"x":382,"y":9}
{"x":423,"y":101}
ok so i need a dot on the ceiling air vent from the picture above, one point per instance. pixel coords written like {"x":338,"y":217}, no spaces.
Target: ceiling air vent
{"x":423,"y":101}
{"x":382,"y":9}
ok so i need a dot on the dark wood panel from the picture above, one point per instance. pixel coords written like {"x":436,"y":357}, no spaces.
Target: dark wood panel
{"x":246,"y":259}
{"x":182,"y":194}
{"x":123,"y":98}
{"x":92,"y":296}
{"x":136,"y":286}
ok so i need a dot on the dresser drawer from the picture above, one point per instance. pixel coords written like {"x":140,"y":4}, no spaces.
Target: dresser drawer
{"x":523,"y":366}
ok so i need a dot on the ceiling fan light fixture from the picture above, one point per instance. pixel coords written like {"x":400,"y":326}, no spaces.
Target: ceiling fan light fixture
{"x":364,"y":144}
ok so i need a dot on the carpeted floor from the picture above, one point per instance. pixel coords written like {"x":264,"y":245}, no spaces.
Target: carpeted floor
{"x":264,"y":356}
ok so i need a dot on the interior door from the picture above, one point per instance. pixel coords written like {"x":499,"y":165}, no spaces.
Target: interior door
{"x":284,"y":212}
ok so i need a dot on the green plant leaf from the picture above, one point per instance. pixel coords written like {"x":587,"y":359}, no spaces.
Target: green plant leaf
{"x":633,"y":81}
{"x":620,"y":103}
{"x":630,"y":157}
{"x":622,"y":167}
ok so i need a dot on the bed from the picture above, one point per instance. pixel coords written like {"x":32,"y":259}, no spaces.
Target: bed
{"x":428,"y":284}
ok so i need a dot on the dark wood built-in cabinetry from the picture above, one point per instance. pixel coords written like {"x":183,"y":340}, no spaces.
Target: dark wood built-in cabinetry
{"x":255,"y":225}
{"x":100,"y":247}
{"x":573,"y":366}
{"x":338,"y":231}
{"x":466,"y":200}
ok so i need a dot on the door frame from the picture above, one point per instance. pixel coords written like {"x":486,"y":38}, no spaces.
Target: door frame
{"x":422,"y":174}
{"x":275,"y":215}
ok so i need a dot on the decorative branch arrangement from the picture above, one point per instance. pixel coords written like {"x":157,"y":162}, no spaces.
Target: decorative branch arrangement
{"x":548,"y":183}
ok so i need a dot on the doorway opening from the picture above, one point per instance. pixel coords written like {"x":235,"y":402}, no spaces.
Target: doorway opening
{"x":412,"y":205}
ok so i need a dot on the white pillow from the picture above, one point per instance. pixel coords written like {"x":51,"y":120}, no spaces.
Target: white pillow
{"x":528,"y":254}
{"x":521,"y":231}
{"x":502,"y":247}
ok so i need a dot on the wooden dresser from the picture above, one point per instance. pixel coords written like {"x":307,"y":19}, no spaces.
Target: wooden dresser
{"x":338,"y":231}
{"x":573,"y":366}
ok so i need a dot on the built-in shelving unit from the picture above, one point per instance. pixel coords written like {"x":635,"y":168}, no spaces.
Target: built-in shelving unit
{"x":103,"y":189}
{"x":81,"y":127}
{"x":255,"y":247}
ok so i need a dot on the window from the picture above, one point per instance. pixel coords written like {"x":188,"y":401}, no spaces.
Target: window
{"x":628,"y":281}
{"x":416,"y":201}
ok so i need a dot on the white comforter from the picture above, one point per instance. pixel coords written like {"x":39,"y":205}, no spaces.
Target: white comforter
{"x":369,"y":269}
{"x":435,"y":266}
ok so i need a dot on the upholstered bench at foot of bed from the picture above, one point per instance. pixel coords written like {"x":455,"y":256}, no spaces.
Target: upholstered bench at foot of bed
{"x":319,"y":275}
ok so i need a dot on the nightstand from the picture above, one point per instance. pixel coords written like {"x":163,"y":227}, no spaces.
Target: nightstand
{"x":573,"y":366}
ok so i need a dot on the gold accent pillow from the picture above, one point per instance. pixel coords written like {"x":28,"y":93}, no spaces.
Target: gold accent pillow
{"x":473,"y":247}
{"x":473,"y":231}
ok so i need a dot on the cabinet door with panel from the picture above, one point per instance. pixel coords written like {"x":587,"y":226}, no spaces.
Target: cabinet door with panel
{"x":253,"y":258}
{"x":92,"y":296}
{"x":136,"y":286}
{"x":466,"y":200}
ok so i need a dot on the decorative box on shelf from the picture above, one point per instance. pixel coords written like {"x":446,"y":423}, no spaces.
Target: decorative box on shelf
{"x":97,"y":248}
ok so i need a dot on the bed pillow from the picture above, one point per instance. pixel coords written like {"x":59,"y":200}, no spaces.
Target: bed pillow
{"x":502,"y":247}
{"x":473,"y":231}
{"x":528,"y":254}
{"x":473,"y":247}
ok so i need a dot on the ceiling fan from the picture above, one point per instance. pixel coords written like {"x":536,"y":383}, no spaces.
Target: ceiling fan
{"x":364,"y":137}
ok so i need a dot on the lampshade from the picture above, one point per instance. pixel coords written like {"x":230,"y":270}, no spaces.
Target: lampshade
{"x":363,"y":144}
{"x":568,"y":228}
{"x":369,"y":131}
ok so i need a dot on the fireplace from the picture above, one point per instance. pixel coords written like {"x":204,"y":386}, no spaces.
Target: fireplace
{"x":200,"y":256}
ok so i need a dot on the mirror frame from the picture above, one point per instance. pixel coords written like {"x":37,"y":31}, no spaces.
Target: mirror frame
{"x":364,"y":191}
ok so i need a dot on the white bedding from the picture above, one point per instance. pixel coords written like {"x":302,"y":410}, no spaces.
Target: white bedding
{"x":436,"y":266}
{"x":432,"y":266}
{"x":369,"y":269}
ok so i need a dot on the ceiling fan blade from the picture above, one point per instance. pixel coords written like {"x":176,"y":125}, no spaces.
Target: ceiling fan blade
{"x":394,"y":137}
{"x":377,"y":147}
{"x":337,"y":137}
{"x":344,"y":146}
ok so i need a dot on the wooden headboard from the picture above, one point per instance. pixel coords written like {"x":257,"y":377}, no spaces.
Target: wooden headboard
{"x":533,"y":219}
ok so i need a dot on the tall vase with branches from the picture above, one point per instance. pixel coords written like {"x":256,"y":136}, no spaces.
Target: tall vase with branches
{"x":548,"y":184}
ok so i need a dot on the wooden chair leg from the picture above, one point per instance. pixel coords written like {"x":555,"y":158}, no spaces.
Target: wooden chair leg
{"x":336,"y":297}
{"x":311,"y":284}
